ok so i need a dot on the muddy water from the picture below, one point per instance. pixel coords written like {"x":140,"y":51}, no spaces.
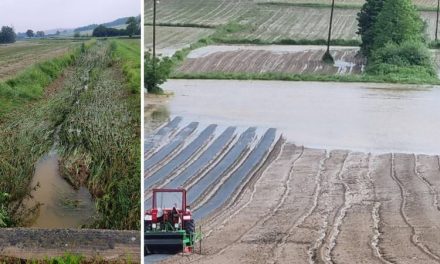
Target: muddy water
{"x":156,"y":112}
{"x":356,"y":116}
{"x":62,"y":206}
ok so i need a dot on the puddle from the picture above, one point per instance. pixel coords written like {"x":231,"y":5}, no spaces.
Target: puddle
{"x":356,"y":116}
{"x":62,"y":206}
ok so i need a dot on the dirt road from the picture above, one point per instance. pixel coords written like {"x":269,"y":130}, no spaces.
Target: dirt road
{"x":318,"y":206}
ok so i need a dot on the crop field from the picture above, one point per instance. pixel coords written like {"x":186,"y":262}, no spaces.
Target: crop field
{"x":267,"y":23}
{"x":329,"y":206}
{"x":197,"y":12}
{"x":90,"y":110}
{"x":212,"y":162}
{"x":269,"y":59}
{"x":171,"y":39}
{"x":18,"y":56}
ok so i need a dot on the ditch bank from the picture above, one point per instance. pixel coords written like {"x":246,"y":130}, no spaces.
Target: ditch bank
{"x":107,"y":245}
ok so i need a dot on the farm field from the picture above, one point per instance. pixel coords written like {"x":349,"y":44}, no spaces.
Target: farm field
{"x":420,"y":3}
{"x":18,"y":56}
{"x":265,"y":23}
{"x":304,"y":203}
{"x":269,"y":59}
{"x":197,"y":12}
{"x":171,"y":39}
{"x":307,"y":204}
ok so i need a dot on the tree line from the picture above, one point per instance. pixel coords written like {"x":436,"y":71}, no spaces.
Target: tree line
{"x":7,"y":35}
{"x":133,"y":28}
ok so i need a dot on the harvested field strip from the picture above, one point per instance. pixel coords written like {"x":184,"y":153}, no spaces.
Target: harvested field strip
{"x":338,"y":207}
{"x":266,"y":23}
{"x":204,"y":12}
{"x":171,"y":39}
{"x":171,"y":147}
{"x":16,"y":57}
{"x":271,"y":59}
{"x":184,"y":155}
{"x":221,"y":167}
{"x":161,"y":135}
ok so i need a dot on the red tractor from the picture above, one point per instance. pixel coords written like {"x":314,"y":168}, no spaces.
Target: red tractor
{"x":169,"y":226}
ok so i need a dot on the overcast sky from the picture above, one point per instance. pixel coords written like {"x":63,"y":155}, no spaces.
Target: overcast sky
{"x":50,"y":14}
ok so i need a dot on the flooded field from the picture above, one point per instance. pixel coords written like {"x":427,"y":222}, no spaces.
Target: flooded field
{"x":271,"y":59}
{"x":355,"y":116}
{"x":61,"y":206}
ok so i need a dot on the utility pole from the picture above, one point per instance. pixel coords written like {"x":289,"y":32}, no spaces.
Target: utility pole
{"x":436,"y":24}
{"x":154,"y":40}
{"x":330,"y":27}
{"x":327,"y":56}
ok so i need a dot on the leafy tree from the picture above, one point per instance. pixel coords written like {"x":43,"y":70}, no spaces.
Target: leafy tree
{"x":133,"y":26}
{"x":30,"y":33}
{"x":76,"y":35}
{"x":100,"y":31}
{"x":40,"y":34}
{"x":366,"y":19}
{"x":156,"y":72}
{"x":397,"y":22}
{"x":7,"y":35}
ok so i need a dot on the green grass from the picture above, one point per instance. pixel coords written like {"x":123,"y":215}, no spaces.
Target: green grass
{"x":129,"y":52}
{"x":308,"y":77}
{"x":30,"y":84}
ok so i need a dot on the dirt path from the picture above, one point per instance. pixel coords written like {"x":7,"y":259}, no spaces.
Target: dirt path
{"x":317,"y":206}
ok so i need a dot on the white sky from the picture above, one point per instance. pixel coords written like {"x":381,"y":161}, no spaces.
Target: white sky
{"x":51,"y":14}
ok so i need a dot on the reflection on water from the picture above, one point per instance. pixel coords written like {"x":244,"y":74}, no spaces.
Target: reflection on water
{"x":357,"y":116}
{"x":61,"y":205}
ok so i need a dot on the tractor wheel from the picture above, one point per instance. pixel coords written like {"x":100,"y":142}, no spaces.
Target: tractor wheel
{"x":190,"y":227}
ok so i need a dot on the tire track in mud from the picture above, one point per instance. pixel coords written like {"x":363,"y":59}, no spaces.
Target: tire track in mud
{"x":428,"y":184}
{"x":328,"y":194}
{"x":403,"y":194}
{"x":279,"y":247}
{"x":327,"y":254}
{"x":191,"y":149}
{"x":375,"y":215}
{"x":288,"y":153}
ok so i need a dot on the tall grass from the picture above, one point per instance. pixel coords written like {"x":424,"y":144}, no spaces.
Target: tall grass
{"x":98,"y":129}
{"x":100,"y":135}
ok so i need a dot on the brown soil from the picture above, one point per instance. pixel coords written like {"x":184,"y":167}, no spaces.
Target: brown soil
{"x":318,"y":206}
{"x":251,"y":60}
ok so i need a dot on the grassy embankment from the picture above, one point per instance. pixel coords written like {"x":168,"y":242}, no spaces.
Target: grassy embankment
{"x":96,"y":118}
